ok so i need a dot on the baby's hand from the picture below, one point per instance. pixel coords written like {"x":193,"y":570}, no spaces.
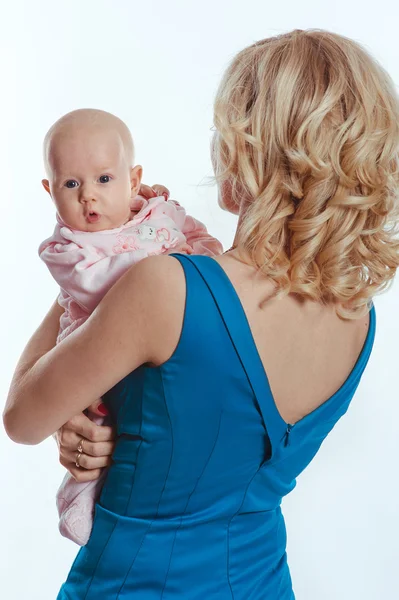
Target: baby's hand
{"x":184,"y":249}
{"x":161,"y":190}
{"x":151,"y":192}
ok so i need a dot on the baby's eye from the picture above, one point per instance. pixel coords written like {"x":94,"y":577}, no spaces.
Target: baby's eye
{"x":105,"y":179}
{"x":71,"y":183}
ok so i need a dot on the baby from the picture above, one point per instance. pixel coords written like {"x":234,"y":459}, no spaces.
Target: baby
{"x":103,"y":227}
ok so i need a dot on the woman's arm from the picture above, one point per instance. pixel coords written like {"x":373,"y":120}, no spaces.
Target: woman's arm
{"x":41,"y":342}
{"x":139,"y":321}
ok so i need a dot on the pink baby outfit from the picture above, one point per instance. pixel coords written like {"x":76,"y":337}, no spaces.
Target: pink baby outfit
{"x":86,"y":265}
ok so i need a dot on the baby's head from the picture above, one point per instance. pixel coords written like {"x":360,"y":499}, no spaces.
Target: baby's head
{"x":89,"y":157}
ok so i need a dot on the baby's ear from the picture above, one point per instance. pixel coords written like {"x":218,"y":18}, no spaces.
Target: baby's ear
{"x":135,"y":179}
{"x":46,"y":185}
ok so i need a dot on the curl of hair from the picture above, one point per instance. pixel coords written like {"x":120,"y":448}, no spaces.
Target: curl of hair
{"x":307,"y":134}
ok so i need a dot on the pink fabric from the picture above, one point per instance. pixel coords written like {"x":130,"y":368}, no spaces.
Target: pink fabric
{"x":76,"y":501}
{"x":86,"y":265}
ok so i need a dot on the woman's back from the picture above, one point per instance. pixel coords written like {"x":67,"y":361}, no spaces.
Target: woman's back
{"x":307,"y":351}
{"x":191,"y":505}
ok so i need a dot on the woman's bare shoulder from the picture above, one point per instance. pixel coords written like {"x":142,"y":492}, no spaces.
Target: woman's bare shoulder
{"x":162,"y":283}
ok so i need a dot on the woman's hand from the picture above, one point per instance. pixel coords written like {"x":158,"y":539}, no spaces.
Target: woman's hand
{"x":97,"y":442}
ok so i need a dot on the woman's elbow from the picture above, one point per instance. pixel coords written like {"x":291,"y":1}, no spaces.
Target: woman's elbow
{"x":17,"y":432}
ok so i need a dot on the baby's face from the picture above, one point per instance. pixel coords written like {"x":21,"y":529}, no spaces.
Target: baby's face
{"x":91,"y":181}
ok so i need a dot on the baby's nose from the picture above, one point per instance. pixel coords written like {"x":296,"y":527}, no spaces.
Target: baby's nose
{"x":87,"y":196}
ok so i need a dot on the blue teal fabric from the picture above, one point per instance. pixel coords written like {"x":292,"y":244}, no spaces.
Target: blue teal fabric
{"x":191,"y":505}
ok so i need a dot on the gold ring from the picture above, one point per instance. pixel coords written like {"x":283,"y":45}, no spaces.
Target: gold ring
{"x":80,"y":446}
{"x":78,"y":457}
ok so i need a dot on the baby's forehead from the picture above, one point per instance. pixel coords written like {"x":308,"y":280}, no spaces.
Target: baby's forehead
{"x":87,"y":133}
{"x":103,"y":138}
{"x":82,"y":147}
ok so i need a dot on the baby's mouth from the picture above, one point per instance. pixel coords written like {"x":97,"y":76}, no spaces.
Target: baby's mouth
{"x":93,"y":217}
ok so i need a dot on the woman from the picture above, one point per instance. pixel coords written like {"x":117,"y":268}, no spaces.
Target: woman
{"x":207,"y":445}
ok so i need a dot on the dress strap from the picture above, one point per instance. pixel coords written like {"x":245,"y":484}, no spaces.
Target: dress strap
{"x":238,"y":329}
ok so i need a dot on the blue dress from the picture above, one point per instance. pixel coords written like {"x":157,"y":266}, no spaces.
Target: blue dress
{"x":190,"y":508}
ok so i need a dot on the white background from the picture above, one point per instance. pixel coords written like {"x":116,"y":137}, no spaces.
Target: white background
{"x":156,"y":64}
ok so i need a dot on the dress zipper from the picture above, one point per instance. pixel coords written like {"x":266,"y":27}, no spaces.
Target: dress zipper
{"x":287,"y":435}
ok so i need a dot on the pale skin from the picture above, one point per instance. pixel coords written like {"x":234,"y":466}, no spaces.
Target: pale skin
{"x":92,"y":179}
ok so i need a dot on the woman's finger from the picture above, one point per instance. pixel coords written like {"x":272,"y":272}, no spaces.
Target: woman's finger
{"x":87,"y":462}
{"x":68,"y":439}
{"x":97,"y":449}
{"x":85,"y":428}
{"x":82,"y":475}
{"x":98,"y":408}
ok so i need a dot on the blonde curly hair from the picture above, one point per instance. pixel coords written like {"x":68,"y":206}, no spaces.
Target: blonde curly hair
{"x":306,"y":143}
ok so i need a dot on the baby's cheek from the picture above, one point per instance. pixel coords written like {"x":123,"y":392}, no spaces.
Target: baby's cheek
{"x":70,"y":218}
